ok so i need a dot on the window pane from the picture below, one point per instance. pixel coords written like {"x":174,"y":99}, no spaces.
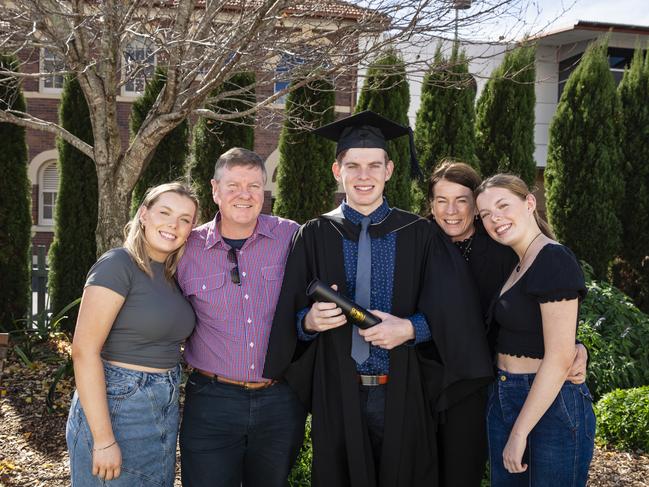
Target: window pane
{"x":52,"y":63}
{"x":138,"y":66}
{"x":47,"y":199}
{"x":47,"y":212}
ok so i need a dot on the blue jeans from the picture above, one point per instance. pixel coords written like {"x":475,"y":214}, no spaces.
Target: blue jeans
{"x":231,"y":436}
{"x":559,"y":448}
{"x":143,"y":410}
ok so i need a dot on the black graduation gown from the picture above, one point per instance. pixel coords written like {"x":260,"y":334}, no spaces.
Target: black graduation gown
{"x":428,"y":278}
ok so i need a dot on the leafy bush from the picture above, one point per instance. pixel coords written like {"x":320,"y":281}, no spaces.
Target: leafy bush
{"x":623,"y":418}
{"x":615,"y":332}
{"x":301,"y":474}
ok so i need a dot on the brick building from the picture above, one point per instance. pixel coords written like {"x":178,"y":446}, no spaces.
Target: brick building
{"x":43,"y":97}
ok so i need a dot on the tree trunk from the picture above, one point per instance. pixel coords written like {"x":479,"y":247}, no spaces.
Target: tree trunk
{"x":114,"y":205}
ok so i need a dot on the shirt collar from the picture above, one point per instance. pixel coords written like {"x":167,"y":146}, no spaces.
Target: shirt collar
{"x":376,"y":216}
{"x":263,"y":228}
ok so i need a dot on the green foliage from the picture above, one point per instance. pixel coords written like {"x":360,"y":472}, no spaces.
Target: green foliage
{"x":446,"y":116}
{"x":623,"y":419}
{"x":615,"y":333}
{"x":505,"y":117}
{"x":305,"y":184}
{"x":386,"y":92}
{"x":212,"y":138}
{"x":300,"y":476}
{"x":634,"y":93}
{"x":445,"y":125}
{"x":583,"y":177}
{"x":29,"y":333}
{"x":15,"y":207}
{"x":168,"y":161}
{"x":74,"y":249}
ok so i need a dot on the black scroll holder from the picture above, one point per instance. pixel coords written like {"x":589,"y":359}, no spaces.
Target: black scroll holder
{"x":356,"y":314}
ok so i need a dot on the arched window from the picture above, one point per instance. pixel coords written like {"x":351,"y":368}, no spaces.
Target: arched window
{"x":48,"y":184}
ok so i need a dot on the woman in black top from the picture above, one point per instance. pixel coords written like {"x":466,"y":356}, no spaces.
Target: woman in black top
{"x":462,"y":438}
{"x":540,"y":425}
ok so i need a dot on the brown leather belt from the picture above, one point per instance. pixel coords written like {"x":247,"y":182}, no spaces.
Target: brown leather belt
{"x":245,"y":385}
{"x":372,"y":380}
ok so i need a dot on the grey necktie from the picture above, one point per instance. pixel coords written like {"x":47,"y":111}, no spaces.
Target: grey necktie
{"x":361,"y":348}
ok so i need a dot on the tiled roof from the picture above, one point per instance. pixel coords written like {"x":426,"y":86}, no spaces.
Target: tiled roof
{"x":329,"y":8}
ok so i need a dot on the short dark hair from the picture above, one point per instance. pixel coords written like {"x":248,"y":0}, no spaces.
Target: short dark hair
{"x":238,"y":156}
{"x":456,"y":172}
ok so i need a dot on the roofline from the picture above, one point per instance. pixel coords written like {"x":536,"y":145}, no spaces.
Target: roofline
{"x":598,"y":27}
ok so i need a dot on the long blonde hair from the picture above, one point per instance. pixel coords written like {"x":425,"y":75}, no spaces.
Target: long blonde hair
{"x":135,"y":240}
{"x":517,"y":186}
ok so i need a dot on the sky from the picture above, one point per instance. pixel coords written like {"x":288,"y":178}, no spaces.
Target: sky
{"x":549,"y":15}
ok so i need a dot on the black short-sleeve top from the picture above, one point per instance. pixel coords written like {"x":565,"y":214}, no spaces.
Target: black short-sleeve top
{"x":555,"y":275}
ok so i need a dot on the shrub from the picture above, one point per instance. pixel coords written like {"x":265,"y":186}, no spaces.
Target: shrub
{"x":168,"y":160}
{"x":312,"y":105}
{"x":623,"y":419}
{"x":212,"y":138}
{"x":615,"y":332}
{"x":15,"y":211}
{"x":301,"y":474}
{"x":386,"y":92}
{"x":584,"y":168}
{"x":74,"y":249}
{"x":505,"y":117}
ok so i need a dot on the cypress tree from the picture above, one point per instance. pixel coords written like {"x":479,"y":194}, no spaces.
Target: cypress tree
{"x":212,"y":138}
{"x":168,"y":161}
{"x":505,"y":117}
{"x":387,"y":93}
{"x":15,"y":212}
{"x":74,"y":249}
{"x":634,"y":93}
{"x":305,"y":185}
{"x":445,"y":126}
{"x":583,"y":178}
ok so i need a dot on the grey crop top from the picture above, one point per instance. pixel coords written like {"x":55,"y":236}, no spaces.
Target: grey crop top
{"x":154,"y":319}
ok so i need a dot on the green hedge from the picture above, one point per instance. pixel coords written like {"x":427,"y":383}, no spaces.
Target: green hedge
{"x":615,"y":332}
{"x":623,"y":419}
{"x":301,"y":473}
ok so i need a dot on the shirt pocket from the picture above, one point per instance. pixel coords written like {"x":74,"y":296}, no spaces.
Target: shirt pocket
{"x":206,"y":294}
{"x":272,"y":281}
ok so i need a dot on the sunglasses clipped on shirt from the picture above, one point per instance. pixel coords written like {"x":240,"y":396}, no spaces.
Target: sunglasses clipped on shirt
{"x":234,"y":272}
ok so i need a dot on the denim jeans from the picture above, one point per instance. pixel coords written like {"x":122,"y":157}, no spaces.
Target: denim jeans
{"x":560,"y":446}
{"x":231,"y":436}
{"x":143,"y":411}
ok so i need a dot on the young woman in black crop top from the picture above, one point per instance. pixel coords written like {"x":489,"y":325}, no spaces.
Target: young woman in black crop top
{"x":462,"y":431}
{"x":541,"y":427}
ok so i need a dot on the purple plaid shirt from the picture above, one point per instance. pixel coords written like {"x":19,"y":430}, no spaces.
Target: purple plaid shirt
{"x":233,"y":321}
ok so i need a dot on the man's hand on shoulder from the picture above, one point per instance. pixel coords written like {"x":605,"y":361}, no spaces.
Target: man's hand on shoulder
{"x":390,"y":333}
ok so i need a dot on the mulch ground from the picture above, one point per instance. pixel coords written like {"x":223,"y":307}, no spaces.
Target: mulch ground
{"x":33,"y":451}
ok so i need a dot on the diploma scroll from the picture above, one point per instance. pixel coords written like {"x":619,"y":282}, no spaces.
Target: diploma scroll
{"x":359,"y":316}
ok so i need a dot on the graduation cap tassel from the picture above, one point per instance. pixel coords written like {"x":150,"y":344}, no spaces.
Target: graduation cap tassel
{"x":415,"y":170}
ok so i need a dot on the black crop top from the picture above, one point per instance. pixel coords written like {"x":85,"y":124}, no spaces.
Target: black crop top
{"x":554,"y":275}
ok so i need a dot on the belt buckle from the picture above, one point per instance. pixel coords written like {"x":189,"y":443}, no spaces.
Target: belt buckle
{"x":369,"y":380}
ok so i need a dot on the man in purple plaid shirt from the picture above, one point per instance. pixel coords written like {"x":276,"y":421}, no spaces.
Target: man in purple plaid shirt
{"x":238,"y":428}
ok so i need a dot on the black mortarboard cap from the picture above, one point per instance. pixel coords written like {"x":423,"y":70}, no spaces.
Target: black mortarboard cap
{"x":368,"y":130}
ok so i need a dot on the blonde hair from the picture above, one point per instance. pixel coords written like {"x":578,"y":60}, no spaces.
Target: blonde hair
{"x":517,"y":186}
{"x":134,"y":239}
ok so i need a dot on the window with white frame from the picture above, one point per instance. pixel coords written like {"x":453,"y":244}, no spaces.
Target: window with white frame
{"x":48,"y":185}
{"x":51,"y":63}
{"x":139,"y":64}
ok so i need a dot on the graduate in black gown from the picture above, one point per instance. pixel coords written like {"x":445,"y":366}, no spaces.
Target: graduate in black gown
{"x":373,"y":412}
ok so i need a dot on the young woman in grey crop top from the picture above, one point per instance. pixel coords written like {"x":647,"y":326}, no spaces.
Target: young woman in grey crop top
{"x":123,"y":420}
{"x":541,"y":427}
